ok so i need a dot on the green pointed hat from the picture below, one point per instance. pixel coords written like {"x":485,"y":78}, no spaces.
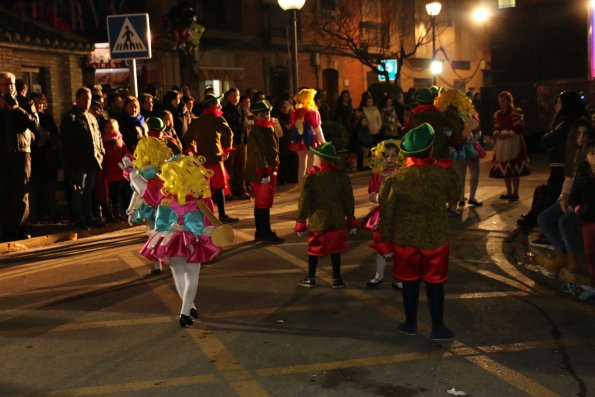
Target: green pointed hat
{"x":425,"y":96}
{"x":210,"y":98}
{"x":418,"y":141}
{"x":155,"y":124}
{"x":326,"y":151}
{"x":261,"y":106}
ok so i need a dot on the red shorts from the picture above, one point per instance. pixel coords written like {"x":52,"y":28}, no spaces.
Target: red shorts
{"x":430,"y":265}
{"x":264,"y":194}
{"x":219,"y":178}
{"x":329,"y":242}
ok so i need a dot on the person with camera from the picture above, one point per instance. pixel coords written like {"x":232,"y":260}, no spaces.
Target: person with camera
{"x":17,"y":131}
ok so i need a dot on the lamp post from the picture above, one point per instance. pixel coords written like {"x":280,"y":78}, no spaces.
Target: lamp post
{"x":293,"y":6}
{"x":433,"y":9}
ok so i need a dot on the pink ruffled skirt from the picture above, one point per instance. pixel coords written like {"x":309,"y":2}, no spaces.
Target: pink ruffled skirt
{"x":165,"y":245}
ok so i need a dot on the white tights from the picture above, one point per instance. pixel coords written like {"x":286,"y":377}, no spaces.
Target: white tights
{"x":305,"y":161}
{"x":380,"y":265}
{"x":186,"y":281}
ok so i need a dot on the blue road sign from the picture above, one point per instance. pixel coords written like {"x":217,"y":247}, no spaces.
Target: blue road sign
{"x":129,"y":36}
{"x":390,"y":65}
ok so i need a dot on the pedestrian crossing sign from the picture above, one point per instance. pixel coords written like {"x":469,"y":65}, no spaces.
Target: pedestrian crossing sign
{"x":129,"y":36}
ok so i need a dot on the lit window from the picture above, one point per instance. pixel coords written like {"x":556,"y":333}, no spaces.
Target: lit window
{"x":506,"y":3}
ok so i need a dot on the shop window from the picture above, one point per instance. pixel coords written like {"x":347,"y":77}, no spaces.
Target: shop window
{"x":506,"y":3}
{"x":34,"y":78}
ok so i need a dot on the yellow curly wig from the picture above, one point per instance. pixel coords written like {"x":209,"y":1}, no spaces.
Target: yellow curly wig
{"x":151,"y":151}
{"x":185,"y":176}
{"x":305,"y":99}
{"x":456,"y":98}
{"x":376,"y":159}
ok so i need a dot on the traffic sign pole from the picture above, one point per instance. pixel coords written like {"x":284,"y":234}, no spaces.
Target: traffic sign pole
{"x":133,"y":78}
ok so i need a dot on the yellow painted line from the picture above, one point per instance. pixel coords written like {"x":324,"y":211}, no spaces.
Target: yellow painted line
{"x":57,"y":263}
{"x":86,"y":326}
{"x":487,"y":295}
{"x":353,"y":363}
{"x":211,"y":346}
{"x":504,"y":280}
{"x":147,"y":385}
{"x":510,"y":376}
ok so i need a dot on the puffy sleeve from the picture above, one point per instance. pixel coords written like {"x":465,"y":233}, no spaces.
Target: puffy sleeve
{"x":193,"y":221}
{"x":152,"y":194}
{"x":164,"y":217}
{"x":313,"y":118}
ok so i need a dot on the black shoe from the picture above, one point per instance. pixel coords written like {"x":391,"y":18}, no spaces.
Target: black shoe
{"x":194,"y":312}
{"x":156,"y":272}
{"x":408,"y":328}
{"x":375,"y":282}
{"x":308,"y":282}
{"x":505,"y":196}
{"x":269,"y":238}
{"x":514,"y":197}
{"x":338,"y":283}
{"x":462,"y":203}
{"x":228,"y":219}
{"x":475,"y":203}
{"x":442,"y":333}
{"x":186,"y":321}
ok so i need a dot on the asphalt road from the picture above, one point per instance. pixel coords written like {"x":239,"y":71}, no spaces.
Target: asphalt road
{"x":85,"y":318}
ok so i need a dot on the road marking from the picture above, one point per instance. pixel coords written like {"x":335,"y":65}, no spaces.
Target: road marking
{"x":211,"y":346}
{"x":107,"y":390}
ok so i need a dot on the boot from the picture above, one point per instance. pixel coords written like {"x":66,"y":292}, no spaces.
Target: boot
{"x":264,"y":233}
{"x":558,"y":263}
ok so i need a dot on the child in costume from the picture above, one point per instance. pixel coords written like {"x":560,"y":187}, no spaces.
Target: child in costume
{"x":110,"y":175}
{"x":261,"y":170}
{"x":327,"y":204}
{"x":157,"y":130}
{"x":582,"y":202}
{"x":383,"y":162}
{"x":412,"y":217}
{"x":307,"y":133}
{"x":182,"y":232}
{"x":149,"y":156}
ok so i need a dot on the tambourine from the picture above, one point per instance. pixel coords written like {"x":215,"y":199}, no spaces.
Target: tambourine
{"x":222,"y":234}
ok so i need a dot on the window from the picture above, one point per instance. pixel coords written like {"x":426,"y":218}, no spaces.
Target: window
{"x":34,"y":78}
{"x":506,"y":3}
{"x":375,"y":34}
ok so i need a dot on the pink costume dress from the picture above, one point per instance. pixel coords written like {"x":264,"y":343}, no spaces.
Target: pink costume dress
{"x":372,"y":220}
{"x":166,"y":242}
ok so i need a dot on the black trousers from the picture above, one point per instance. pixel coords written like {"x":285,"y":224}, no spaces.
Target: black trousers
{"x":14,"y":195}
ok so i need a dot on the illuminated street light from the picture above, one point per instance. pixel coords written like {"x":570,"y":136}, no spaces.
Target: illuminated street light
{"x":481,"y":14}
{"x":433,"y":9}
{"x":436,"y":67}
{"x":293,"y":6}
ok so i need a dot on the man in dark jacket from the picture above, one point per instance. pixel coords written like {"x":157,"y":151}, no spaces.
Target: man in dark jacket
{"x":17,"y":128}
{"x":82,"y":154}
{"x":236,"y":117}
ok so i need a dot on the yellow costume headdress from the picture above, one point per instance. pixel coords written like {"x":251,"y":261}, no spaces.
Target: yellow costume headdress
{"x":151,"y":151}
{"x":455,"y":98}
{"x":305,"y":99}
{"x":376,"y":159}
{"x":185,"y":176}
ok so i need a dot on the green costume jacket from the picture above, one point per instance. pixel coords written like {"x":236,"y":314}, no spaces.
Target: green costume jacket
{"x":263,"y":153}
{"x":326,"y":200}
{"x":211,"y":135}
{"x":413,"y":204}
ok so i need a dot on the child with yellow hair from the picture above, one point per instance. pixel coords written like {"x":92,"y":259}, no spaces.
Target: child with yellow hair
{"x":306,"y":129}
{"x":149,"y":155}
{"x":384,"y":161}
{"x":182,"y":235}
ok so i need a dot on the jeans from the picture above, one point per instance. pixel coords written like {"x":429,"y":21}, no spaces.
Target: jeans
{"x":563,"y":230}
{"x":81,"y":197}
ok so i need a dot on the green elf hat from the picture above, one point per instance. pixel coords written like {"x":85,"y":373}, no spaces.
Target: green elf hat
{"x":418,"y":141}
{"x":155,"y":124}
{"x":261,"y":106}
{"x":424,"y":96}
{"x":326,"y":151}
{"x":210,"y":98}
{"x":435,"y":90}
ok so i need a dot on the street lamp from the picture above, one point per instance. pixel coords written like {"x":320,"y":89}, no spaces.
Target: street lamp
{"x":293,"y":6}
{"x":433,"y":9}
